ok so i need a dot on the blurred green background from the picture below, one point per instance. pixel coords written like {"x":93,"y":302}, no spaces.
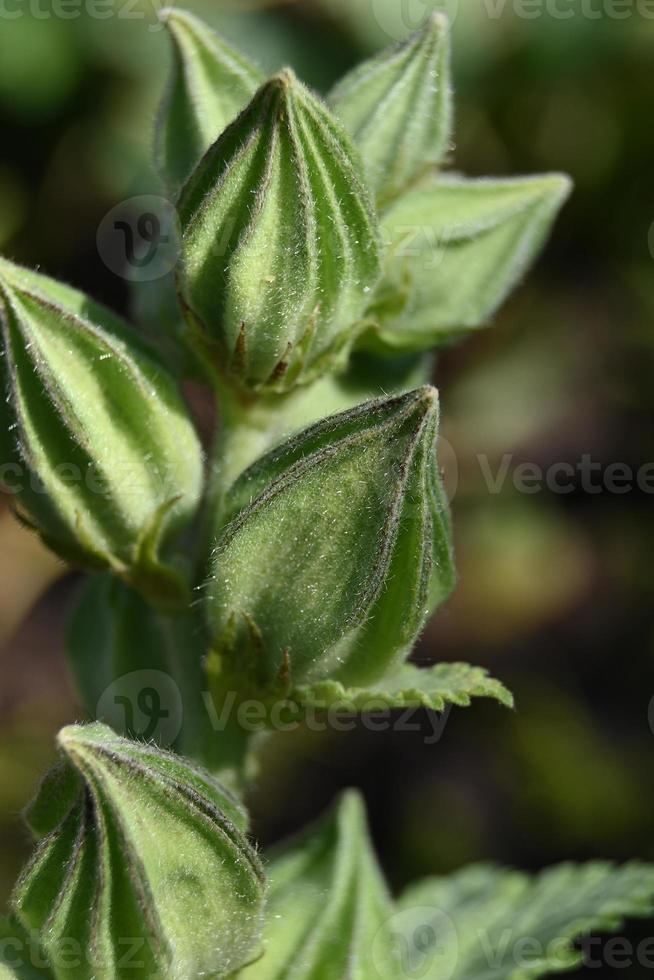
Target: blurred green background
{"x":556,"y":589}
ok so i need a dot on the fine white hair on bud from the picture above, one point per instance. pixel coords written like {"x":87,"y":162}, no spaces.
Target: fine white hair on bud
{"x":279,"y":242}
{"x":397,"y":107}
{"x":210,"y":83}
{"x":136,"y":844}
{"x":106,"y":461}
{"x":337,"y":549}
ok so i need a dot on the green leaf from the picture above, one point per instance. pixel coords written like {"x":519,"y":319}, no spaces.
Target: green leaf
{"x":504,"y":925}
{"x":210,"y":85}
{"x":328,"y":905}
{"x":279,"y":242}
{"x":152,"y":852}
{"x":398,"y":108}
{"x":456,"y":248}
{"x":105,"y":460}
{"x":338,"y":548}
{"x":411,"y":687}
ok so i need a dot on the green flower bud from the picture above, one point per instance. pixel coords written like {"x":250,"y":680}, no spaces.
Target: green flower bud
{"x":100,"y":452}
{"x":210,"y":84}
{"x":337,"y":549}
{"x":398,"y":108}
{"x":279,"y":242}
{"x":141,"y":858}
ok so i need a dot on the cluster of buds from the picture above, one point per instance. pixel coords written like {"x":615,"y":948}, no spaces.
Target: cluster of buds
{"x":311,"y":232}
{"x":294,"y":215}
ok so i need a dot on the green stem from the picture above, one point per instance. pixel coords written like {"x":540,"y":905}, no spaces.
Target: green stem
{"x":247,"y":427}
{"x":210,"y":735}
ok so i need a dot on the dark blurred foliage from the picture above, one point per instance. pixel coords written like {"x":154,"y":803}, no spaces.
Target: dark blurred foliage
{"x":556,"y":589}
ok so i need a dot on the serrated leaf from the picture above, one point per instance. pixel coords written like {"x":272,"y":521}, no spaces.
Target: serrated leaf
{"x":411,"y":687}
{"x":456,"y":248}
{"x":210,"y":85}
{"x":328,"y":905}
{"x":279,"y":242}
{"x":504,"y":925}
{"x":339,"y":546}
{"x":398,"y":108}
{"x":150,"y":851}
{"x":106,"y":461}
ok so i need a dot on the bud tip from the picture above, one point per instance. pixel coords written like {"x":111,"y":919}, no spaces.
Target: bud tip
{"x":428,"y":397}
{"x":438,"y":21}
{"x":69,"y":736}
{"x":284,"y":79}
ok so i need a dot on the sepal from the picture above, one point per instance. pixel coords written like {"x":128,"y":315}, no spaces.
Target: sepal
{"x":455,"y":249}
{"x":329,"y":911}
{"x":252,"y":429}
